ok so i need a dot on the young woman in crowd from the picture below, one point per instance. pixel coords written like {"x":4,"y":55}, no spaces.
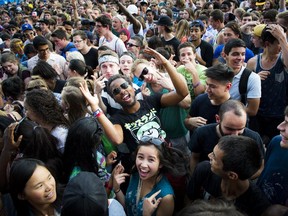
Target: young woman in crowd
{"x":149,"y":191}
{"x":82,"y":150}
{"x":79,"y":68}
{"x":26,"y":139}
{"x":42,"y":107}
{"x":126,"y":62}
{"x":33,"y":188}
{"x":12,"y":67}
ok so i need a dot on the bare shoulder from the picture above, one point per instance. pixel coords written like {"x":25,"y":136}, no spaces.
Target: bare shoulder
{"x":251,"y":64}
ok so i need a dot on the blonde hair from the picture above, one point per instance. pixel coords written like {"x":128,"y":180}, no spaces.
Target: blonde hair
{"x":136,"y":63}
{"x":36,"y":82}
{"x":74,"y":55}
{"x":182,"y":29}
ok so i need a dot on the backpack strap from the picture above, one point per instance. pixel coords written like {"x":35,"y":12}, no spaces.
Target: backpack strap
{"x":243,"y":83}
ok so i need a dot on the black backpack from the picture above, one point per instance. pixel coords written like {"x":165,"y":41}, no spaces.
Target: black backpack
{"x":243,"y":83}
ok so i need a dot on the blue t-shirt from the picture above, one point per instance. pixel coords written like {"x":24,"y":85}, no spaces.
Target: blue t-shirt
{"x":217,"y":54}
{"x":273,"y":180}
{"x":131,"y":195}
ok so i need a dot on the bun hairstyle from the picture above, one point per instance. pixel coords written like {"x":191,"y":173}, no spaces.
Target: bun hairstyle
{"x":81,"y":68}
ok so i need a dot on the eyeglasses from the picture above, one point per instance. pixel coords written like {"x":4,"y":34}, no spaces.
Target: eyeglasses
{"x":116,"y":91}
{"x":131,"y":45}
{"x":143,"y":73}
{"x":79,"y":41}
{"x":153,"y":140}
{"x":43,"y":50}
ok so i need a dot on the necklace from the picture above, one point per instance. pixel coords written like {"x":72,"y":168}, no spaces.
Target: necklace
{"x":139,"y":188}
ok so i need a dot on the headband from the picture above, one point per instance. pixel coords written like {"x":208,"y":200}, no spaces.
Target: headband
{"x":108,"y":58}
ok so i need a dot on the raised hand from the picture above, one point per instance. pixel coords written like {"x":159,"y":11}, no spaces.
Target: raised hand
{"x":150,"y":204}
{"x":92,"y":100}
{"x":9,"y":144}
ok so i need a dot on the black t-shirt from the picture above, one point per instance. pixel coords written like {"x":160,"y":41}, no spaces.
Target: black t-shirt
{"x":205,"y":138}
{"x":91,"y":58}
{"x":206,"y":52}
{"x":205,"y":183}
{"x":145,"y":121}
{"x":59,"y":86}
{"x":174,"y":42}
{"x":202,"y":106}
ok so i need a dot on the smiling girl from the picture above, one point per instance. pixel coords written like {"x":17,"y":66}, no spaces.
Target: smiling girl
{"x":149,"y":191}
{"x":33,"y":188}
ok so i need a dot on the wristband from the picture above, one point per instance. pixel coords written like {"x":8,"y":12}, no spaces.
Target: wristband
{"x":196,"y":85}
{"x":97,"y":113}
{"x":117,"y":191}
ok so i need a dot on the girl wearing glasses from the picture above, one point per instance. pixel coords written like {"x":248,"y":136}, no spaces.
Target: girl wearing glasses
{"x":149,"y":191}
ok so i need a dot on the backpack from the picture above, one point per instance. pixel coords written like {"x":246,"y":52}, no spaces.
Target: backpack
{"x":243,"y":83}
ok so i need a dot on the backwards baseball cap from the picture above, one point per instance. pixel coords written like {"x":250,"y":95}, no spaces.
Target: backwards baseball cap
{"x":46,"y":21}
{"x":85,"y":195}
{"x":26,"y":27}
{"x":164,"y":21}
{"x":257,"y":31}
{"x":132,"y":9}
{"x":197,"y":23}
{"x":260,"y":2}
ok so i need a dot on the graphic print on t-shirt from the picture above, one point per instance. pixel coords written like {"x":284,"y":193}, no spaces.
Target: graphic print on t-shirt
{"x":148,"y":125}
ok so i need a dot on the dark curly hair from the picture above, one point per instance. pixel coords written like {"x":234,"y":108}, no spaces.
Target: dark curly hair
{"x":44,"y":104}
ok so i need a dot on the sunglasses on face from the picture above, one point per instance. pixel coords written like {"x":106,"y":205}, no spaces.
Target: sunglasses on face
{"x":143,"y":73}
{"x":131,"y":45}
{"x":116,"y":91}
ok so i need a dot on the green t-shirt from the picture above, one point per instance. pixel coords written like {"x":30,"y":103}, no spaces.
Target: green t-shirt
{"x":188,"y":76}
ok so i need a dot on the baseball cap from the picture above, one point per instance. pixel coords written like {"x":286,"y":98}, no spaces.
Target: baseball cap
{"x":144,"y":2}
{"x":197,"y":23}
{"x":26,"y":27}
{"x":164,"y":21}
{"x":257,"y":31}
{"x":46,"y":21}
{"x":85,"y":195}
{"x":132,"y":9}
{"x":260,"y":2}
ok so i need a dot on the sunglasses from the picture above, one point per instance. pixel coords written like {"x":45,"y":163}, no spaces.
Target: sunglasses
{"x":116,"y":91}
{"x":131,"y":45}
{"x":152,"y":140}
{"x":143,"y":73}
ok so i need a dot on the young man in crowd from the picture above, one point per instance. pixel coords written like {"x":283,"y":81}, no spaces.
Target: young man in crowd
{"x":204,"y":51}
{"x":62,"y":43}
{"x":234,"y":55}
{"x":233,"y":161}
{"x":231,"y":120}
{"x":271,"y":67}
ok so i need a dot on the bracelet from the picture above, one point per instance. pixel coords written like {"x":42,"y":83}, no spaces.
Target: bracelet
{"x":196,"y":85}
{"x":97,"y":113}
{"x":117,"y":191}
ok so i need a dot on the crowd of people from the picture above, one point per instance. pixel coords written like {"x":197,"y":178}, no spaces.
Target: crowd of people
{"x":148,"y":107}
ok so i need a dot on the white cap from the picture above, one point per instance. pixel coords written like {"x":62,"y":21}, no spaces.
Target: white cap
{"x":132,"y":9}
